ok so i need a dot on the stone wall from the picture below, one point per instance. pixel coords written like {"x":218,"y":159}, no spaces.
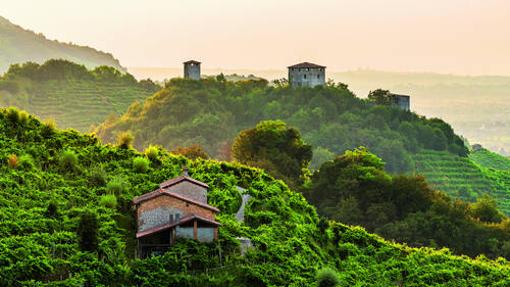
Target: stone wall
{"x":154,"y":212}
{"x":307,"y":77}
{"x":157,"y":217}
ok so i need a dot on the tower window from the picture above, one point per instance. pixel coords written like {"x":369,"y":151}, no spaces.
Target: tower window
{"x":304,"y":76}
{"x":318,"y":76}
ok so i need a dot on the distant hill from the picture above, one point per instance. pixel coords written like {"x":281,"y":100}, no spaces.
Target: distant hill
{"x":18,"y":45}
{"x":69,"y":93}
{"x":475,"y":106}
{"x":211,"y":113}
{"x":53,"y":180}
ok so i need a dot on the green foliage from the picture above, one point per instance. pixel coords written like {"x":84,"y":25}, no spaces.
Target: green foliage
{"x":467,"y":178}
{"x":108,"y":200}
{"x":192,"y":152}
{"x":327,"y":278}
{"x":275,"y":147}
{"x":88,"y":231}
{"x":52,"y":210}
{"x":379,"y":96}
{"x":125,"y":140}
{"x":290,"y":242}
{"x":485,"y":209}
{"x":152,"y":153}
{"x":211,"y":113}
{"x":141,"y":164}
{"x":117,"y":186}
{"x":26,"y":162}
{"x":68,"y":161}
{"x":69,"y":93}
{"x":355,"y":189}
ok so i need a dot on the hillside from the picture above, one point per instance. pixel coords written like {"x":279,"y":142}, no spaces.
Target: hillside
{"x":51,"y":179}
{"x":483,"y":172}
{"x":212,"y":112}
{"x":475,"y":106}
{"x":69,"y":93}
{"x":19,"y":45}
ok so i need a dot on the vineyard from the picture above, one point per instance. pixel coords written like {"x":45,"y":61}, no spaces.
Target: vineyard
{"x":483,"y":172}
{"x":67,"y":102}
{"x":70,"y":94}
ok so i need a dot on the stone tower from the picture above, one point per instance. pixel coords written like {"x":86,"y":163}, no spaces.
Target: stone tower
{"x":401,"y":101}
{"x":307,"y":75}
{"x":192,"y":70}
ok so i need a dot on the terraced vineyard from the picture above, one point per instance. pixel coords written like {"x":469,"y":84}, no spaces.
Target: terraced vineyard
{"x":80,"y":104}
{"x":490,"y":159}
{"x":70,"y":94}
{"x":466,"y":178}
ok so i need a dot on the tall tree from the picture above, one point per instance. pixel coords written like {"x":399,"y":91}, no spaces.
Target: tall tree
{"x":275,"y":147}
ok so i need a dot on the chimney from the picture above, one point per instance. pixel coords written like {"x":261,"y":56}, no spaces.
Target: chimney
{"x":185,"y":171}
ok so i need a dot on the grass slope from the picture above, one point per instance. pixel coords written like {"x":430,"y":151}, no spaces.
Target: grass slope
{"x":19,"y":45}
{"x":40,"y":247}
{"x":468,"y":178}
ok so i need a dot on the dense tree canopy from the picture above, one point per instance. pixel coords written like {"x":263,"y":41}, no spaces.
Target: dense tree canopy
{"x":212,"y":112}
{"x":275,"y":147}
{"x":354,"y":188}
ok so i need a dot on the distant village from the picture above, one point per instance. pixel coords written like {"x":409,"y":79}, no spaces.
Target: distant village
{"x":304,"y":74}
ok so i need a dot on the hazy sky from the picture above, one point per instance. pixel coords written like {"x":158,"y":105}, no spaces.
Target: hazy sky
{"x":449,"y":36}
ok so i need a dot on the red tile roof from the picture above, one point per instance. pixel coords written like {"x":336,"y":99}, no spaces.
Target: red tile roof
{"x":160,"y":191}
{"x":173,"y":224}
{"x":306,"y":65}
{"x":178,"y":179}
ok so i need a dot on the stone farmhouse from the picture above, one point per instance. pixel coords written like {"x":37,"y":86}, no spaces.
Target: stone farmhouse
{"x":177,"y":209}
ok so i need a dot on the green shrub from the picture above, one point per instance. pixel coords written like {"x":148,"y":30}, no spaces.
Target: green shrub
{"x":16,"y":116}
{"x":12,"y":161}
{"x":68,"y":160}
{"x":152,"y":153}
{"x":125,"y":140}
{"x":26,"y":162}
{"x":48,"y":128}
{"x":117,"y":186}
{"x":97,"y":176}
{"x":327,"y":277}
{"x":141,"y":164}
{"x":108,"y":200}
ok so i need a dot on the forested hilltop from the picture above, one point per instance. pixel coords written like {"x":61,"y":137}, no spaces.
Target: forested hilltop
{"x":69,"y":93}
{"x":19,"y":45}
{"x":66,"y":221}
{"x":330,"y":118}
